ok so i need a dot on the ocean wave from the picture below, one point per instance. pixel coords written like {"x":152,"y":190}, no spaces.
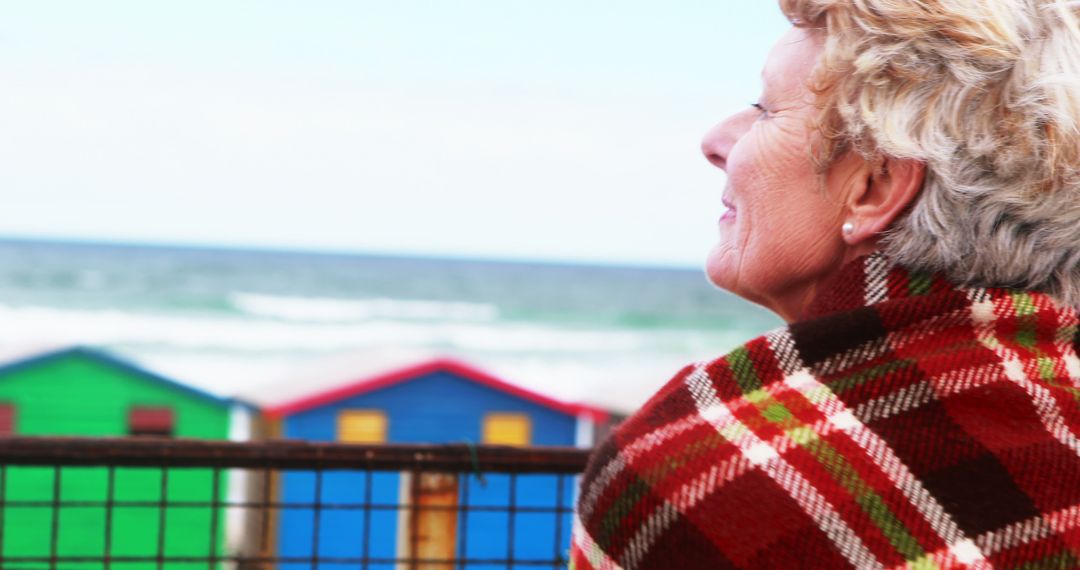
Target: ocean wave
{"x":327,"y":309}
{"x":38,"y":324}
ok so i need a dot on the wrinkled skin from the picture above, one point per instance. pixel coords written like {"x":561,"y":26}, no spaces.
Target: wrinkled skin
{"x":781,"y":237}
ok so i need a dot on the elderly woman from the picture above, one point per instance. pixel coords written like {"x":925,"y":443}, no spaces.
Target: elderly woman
{"x":906,"y":194}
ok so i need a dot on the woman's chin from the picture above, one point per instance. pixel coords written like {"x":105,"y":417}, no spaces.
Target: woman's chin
{"x":721,"y":266}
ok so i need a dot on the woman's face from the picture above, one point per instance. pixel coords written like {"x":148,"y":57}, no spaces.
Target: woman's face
{"x":780,"y":236}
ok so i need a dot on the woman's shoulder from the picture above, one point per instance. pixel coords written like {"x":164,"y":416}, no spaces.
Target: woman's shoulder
{"x":679,"y":484}
{"x":864,"y":443}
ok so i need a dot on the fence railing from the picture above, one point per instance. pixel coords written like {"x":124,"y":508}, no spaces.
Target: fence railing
{"x":164,"y":504}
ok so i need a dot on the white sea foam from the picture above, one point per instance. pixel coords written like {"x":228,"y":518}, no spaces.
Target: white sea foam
{"x":35,"y":324}
{"x":241,"y":353}
{"x":326,"y":309}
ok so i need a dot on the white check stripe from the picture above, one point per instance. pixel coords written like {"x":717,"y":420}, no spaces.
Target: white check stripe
{"x":788,"y":477}
{"x":877,"y":270}
{"x":902,"y":400}
{"x":1045,"y":404}
{"x":830,"y":406}
{"x":1065,"y":519}
{"x":879,"y":346}
{"x":964,"y":379}
{"x":628,"y":455}
{"x":930,"y":390}
{"x":784,"y":351}
{"x":966,"y":555}
{"x":683,"y":500}
{"x":873,"y":348}
{"x":983,"y":315}
{"x":1067,"y":329}
{"x":607,"y":474}
{"x":654,"y":526}
{"x":585,"y":544}
{"x":1020,"y":534}
{"x":1023,"y":532}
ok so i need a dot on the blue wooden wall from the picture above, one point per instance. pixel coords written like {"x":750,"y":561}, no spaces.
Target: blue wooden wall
{"x":436,"y":408}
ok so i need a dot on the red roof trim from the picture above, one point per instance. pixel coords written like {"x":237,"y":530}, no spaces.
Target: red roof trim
{"x":422,"y":369}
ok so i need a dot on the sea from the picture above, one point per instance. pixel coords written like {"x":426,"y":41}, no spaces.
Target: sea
{"x":247,"y":322}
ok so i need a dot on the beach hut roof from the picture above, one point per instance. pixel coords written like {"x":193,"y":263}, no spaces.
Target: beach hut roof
{"x":112,"y":361}
{"x":440,"y":364}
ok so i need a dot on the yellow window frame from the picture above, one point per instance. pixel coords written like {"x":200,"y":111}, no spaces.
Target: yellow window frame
{"x":362,"y":426}
{"x":507,"y":429}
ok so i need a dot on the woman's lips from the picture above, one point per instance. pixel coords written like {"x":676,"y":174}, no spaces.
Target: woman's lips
{"x":730,"y":213}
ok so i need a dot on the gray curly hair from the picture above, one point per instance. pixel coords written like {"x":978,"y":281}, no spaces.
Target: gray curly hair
{"x":987,"y":94}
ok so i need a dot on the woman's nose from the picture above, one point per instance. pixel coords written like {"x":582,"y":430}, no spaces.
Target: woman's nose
{"x":717,"y":143}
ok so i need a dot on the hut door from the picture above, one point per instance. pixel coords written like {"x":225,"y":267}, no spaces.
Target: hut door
{"x":430,"y":521}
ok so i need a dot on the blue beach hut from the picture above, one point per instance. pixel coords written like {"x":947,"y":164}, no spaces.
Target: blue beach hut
{"x":435,"y":401}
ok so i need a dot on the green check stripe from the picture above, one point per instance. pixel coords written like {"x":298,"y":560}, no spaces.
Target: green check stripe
{"x":1026,"y":336}
{"x":846,"y":475}
{"x":843,"y":384}
{"x":777,"y":413}
{"x":679,"y":458}
{"x":919,"y":284}
{"x":869,"y":500}
{"x":1046,"y":368}
{"x":904,"y":543}
{"x":1023,"y":304}
{"x":1057,"y":561}
{"x":743,"y":369}
{"x":623,"y":506}
{"x":774,"y":411}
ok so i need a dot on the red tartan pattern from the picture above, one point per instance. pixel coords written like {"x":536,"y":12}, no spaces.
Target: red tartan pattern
{"x":906,"y":424}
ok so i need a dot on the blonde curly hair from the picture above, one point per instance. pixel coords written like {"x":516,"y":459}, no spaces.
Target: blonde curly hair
{"x":987,"y":94}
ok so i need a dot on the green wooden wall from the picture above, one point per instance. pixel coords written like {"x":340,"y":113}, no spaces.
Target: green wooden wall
{"x":77,"y":394}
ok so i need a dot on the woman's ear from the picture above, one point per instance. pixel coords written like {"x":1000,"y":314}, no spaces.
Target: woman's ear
{"x":888,"y":189}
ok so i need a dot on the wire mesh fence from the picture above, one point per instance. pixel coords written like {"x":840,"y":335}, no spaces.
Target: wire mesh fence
{"x":162,"y":504}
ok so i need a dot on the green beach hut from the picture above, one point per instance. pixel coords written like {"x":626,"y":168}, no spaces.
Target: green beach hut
{"x":85,"y":392}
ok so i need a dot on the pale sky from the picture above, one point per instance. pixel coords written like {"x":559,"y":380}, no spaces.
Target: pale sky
{"x":554,"y":129}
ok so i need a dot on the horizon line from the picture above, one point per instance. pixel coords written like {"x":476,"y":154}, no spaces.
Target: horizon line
{"x":335,"y":251}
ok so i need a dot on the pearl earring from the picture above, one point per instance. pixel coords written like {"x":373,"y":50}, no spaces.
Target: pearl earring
{"x":848,"y":228}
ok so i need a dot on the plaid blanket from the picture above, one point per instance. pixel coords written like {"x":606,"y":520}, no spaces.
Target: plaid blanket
{"x":906,"y":423}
